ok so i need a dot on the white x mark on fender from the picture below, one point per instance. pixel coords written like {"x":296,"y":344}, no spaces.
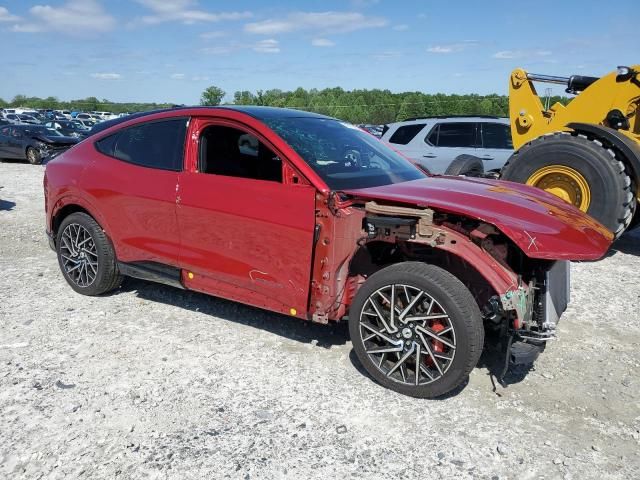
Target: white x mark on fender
{"x":532,"y":242}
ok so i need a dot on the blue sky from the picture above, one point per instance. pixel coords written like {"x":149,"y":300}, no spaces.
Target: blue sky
{"x":169,"y":51}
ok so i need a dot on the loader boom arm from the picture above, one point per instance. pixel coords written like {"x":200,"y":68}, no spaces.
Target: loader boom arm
{"x":595,"y":100}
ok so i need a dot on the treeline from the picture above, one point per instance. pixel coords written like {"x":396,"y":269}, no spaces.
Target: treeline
{"x":89,"y":104}
{"x":379,"y":106}
{"x":356,"y":106}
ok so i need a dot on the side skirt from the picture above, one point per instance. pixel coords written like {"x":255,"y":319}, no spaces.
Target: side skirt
{"x":152,"y":271}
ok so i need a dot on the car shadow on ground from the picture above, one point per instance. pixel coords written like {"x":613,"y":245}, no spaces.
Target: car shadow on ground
{"x":628,"y":243}
{"x":325,"y":336}
{"x":302,"y":331}
{"x":6,"y":205}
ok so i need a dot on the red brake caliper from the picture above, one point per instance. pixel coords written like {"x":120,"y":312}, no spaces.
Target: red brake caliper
{"x":436,"y":346}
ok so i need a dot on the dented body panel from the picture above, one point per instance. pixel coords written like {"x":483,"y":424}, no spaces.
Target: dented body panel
{"x":542,"y":225}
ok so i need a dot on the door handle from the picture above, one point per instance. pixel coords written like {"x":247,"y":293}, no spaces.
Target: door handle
{"x":429,"y":155}
{"x":486,"y":157}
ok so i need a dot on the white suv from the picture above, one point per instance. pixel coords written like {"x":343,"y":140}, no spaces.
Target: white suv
{"x":435,"y":142}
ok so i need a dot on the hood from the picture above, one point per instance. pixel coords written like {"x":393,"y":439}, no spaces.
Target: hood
{"x":55,"y":141}
{"x":542,"y":225}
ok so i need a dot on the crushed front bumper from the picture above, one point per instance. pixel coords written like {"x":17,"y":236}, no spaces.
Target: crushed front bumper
{"x":541,"y":306}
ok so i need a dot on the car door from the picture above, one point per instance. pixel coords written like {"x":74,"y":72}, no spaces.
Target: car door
{"x":5,"y":133}
{"x":247,"y":230}
{"x":134,"y":179}
{"x":446,"y":141}
{"x":497,"y":145}
{"x":16,"y":144}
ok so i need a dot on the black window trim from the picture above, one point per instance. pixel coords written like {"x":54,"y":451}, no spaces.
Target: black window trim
{"x":421,"y":125}
{"x":187,"y":119}
{"x":506,"y":126}
{"x":477,"y":135}
{"x":239,"y":125}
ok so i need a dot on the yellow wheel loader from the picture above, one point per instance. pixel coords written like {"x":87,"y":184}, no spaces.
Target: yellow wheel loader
{"x":587,"y":152}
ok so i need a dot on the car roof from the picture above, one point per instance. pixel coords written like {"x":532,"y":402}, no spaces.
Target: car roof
{"x":258,"y":112}
{"x":452,"y":118}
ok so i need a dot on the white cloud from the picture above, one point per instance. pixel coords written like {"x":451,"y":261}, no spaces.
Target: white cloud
{"x":403,"y":27}
{"x":322,"y":42}
{"x":220,"y":49}
{"x":106,"y":76}
{"x":267,"y":46}
{"x":326,"y":22}
{"x":5,"y":16}
{"x":178,"y":76}
{"x":212,"y":35}
{"x":183,"y":11}
{"x":516,"y":54}
{"x":73,"y":17}
{"x":452,"y":47}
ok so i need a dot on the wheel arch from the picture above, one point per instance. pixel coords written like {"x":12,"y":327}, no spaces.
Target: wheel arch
{"x":629,"y":149}
{"x":72,"y":204}
{"x":482,"y":274}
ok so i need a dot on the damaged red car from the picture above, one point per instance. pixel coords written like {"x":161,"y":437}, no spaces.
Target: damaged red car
{"x":308,"y":216}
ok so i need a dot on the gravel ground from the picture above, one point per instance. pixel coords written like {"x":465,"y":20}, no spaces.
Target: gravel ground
{"x":153,"y":382}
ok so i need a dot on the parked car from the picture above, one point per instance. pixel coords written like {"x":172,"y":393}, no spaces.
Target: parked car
{"x":435,"y":142}
{"x":316,"y":219}
{"x":65,"y":113}
{"x":88,"y":124}
{"x":69,"y":128}
{"x":105,"y":115}
{"x":84,"y":116}
{"x":30,"y":119}
{"x":34,"y":143}
{"x":12,"y":118}
{"x":4,"y":122}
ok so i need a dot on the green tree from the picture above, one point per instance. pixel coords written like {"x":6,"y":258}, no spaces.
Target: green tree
{"x":212,"y":96}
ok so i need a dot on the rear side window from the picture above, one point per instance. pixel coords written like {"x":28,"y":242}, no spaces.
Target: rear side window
{"x":456,"y":134}
{"x":496,"y":135}
{"x":155,"y":144}
{"x":406,"y":133}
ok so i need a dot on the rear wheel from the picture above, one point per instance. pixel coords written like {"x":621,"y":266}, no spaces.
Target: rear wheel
{"x":33,"y":156}
{"x":416,"y":329}
{"x":581,"y":171}
{"x":86,"y":256}
{"x":465,"y":165}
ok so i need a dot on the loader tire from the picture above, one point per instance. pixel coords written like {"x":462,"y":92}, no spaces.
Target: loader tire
{"x":579,"y":170}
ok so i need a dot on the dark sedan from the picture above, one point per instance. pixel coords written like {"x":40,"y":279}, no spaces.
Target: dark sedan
{"x":33,"y":142}
{"x":69,"y":128}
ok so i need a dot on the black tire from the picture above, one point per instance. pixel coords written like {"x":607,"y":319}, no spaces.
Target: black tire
{"x":612,"y":203}
{"x":107,"y":277}
{"x":33,"y":156}
{"x":467,"y":165}
{"x":451,"y":296}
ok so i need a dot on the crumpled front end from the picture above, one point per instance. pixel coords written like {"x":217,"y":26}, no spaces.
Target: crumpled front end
{"x":520,"y":297}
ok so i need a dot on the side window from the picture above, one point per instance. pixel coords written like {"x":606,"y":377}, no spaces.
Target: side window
{"x":4,"y":131}
{"x":432,"y":138}
{"x":155,"y":144}
{"x":234,"y":153}
{"x":457,"y":134}
{"x":496,"y":135}
{"x":406,"y":133}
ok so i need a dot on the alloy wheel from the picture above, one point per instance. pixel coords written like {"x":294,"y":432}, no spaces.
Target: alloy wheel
{"x":407,"y":334}
{"x":79,"y":255}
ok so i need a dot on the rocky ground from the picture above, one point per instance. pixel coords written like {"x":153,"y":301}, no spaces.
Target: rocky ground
{"x":152,"y":382}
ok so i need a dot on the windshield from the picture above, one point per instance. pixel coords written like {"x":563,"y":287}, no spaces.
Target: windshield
{"x":342,"y":154}
{"x":49,"y":132}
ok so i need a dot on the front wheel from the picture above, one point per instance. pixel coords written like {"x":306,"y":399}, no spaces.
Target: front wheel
{"x":416,"y":329}
{"x":33,"y":156}
{"x":86,"y":256}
